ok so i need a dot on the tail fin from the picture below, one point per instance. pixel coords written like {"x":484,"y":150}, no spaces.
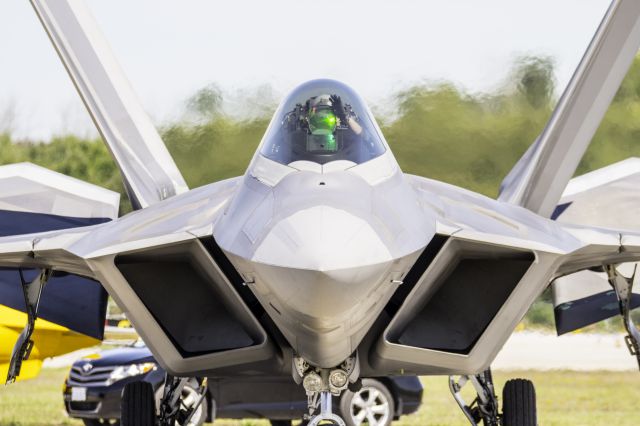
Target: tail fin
{"x":150,"y":174}
{"x":538,"y":179}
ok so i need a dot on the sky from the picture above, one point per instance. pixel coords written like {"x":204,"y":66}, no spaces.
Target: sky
{"x":170,"y":49}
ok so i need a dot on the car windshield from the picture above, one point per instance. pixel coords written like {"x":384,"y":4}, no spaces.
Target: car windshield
{"x":322,"y":121}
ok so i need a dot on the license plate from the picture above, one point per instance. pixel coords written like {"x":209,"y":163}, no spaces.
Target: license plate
{"x":78,"y":394}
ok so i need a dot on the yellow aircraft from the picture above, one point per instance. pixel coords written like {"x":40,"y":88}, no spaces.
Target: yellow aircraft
{"x":51,"y":340}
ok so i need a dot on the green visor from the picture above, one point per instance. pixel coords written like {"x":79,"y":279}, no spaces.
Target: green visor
{"x":322,"y":121}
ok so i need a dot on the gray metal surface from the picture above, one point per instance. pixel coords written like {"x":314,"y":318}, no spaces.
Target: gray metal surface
{"x":604,"y":197}
{"x":309,"y":256}
{"x":300,"y":302}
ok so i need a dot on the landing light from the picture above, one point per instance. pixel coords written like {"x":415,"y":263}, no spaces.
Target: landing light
{"x":312,"y":382}
{"x":338,"y":378}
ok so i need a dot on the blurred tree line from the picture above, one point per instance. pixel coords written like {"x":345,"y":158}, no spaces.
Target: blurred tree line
{"x":437,"y":130}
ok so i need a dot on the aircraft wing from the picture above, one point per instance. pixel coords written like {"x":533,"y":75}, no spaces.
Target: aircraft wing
{"x":585,"y":298}
{"x":41,"y":214}
{"x":607,"y":197}
{"x":149,"y":172}
{"x":43,"y":250}
{"x":536,"y":182}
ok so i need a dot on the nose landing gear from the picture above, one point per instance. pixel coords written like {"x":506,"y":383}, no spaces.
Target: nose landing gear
{"x":325,"y":412}
{"x":321,"y":384}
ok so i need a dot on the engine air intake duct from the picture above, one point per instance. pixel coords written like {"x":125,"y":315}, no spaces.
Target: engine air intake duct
{"x":191,"y":299}
{"x":457,"y":303}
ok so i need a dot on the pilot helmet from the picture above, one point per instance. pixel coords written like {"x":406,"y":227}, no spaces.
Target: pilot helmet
{"x":321,"y":117}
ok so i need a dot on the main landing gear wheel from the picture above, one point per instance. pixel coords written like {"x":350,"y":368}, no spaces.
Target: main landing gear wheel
{"x":519,"y":403}
{"x":372,"y":404}
{"x":138,"y":405}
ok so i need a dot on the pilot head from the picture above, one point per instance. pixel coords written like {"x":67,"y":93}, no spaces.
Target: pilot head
{"x":321,"y":116}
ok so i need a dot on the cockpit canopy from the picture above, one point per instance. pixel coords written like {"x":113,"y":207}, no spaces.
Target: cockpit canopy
{"x":322,"y":121}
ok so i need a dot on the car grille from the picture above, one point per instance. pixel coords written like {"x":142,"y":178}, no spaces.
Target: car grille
{"x":83,"y":406}
{"x":96,"y":376}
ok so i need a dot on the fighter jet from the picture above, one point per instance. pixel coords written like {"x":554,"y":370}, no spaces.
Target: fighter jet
{"x":325,"y":261}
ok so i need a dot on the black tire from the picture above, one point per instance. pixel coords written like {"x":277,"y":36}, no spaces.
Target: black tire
{"x":280,"y":422}
{"x":137,"y":407}
{"x":519,"y":403}
{"x":372,"y":390}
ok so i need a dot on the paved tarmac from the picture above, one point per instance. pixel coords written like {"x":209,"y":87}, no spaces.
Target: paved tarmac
{"x":576,"y":351}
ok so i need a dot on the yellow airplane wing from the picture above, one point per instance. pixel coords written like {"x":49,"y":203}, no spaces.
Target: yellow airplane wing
{"x":51,"y":340}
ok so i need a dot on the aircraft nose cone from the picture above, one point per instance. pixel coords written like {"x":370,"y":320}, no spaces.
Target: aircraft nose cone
{"x":324,"y":274}
{"x":322,"y":238}
{"x":325,"y":257}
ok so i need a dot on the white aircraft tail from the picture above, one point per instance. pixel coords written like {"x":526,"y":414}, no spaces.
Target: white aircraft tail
{"x":536,"y":182}
{"x":149,"y":172}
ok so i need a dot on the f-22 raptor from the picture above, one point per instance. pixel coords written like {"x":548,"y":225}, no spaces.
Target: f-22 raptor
{"x":324,"y":261}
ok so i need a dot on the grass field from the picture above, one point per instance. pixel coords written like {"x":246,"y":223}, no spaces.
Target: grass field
{"x":564,"y":398}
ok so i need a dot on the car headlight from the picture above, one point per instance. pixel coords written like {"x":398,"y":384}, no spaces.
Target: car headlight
{"x":132,"y":370}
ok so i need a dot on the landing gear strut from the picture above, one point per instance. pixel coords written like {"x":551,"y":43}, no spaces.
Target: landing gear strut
{"x":485,"y":406}
{"x":171,"y":409}
{"x":519,"y":401}
{"x":325,"y":412}
{"x":22,"y":349}
{"x":623,"y":287}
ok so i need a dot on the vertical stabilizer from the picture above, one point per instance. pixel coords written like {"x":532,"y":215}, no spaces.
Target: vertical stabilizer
{"x":538,"y":179}
{"x":149,"y":172}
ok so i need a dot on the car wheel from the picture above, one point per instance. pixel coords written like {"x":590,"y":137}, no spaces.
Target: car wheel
{"x":137,"y":405}
{"x":101,"y":422}
{"x":188,"y":398}
{"x":519,"y":403}
{"x":372,"y":405}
